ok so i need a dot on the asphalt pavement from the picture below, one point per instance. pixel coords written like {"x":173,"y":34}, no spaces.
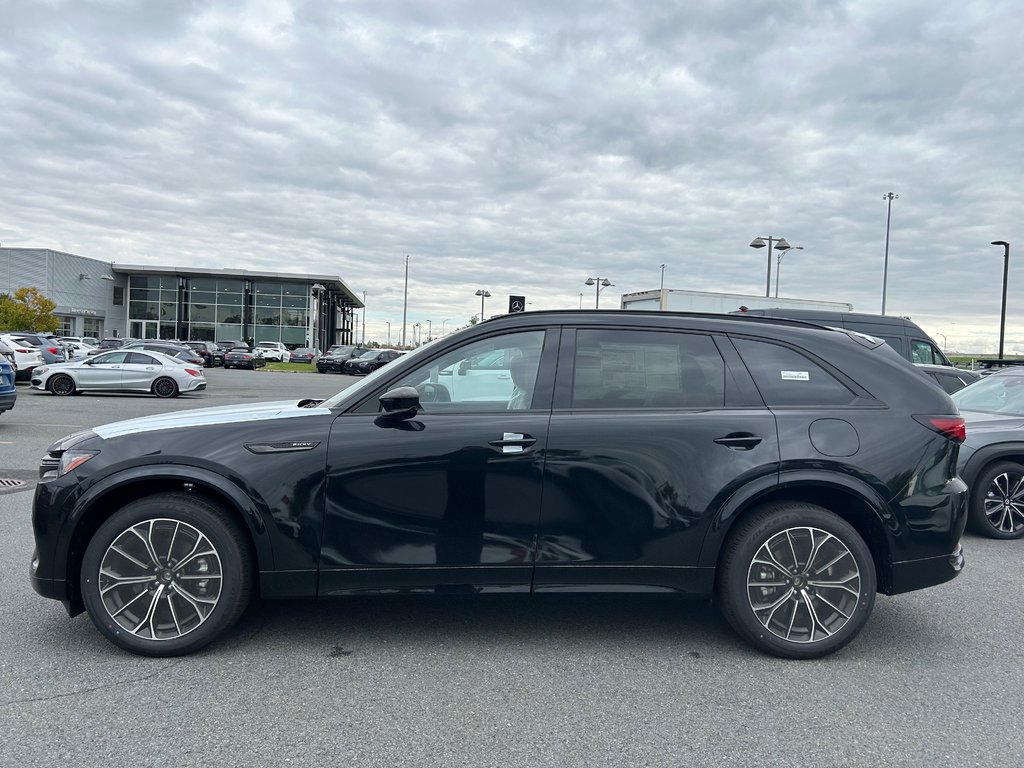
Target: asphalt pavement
{"x":935,"y":679}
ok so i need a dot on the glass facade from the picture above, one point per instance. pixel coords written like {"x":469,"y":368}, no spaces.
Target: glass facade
{"x":228,"y":309}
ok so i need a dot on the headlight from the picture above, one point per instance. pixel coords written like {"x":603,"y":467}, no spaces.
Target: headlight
{"x":41,"y":369}
{"x":70,"y":460}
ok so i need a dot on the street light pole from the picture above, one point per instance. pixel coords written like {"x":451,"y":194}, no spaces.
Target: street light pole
{"x":405,"y":298}
{"x":443,"y":323}
{"x":890,"y":196}
{"x":483,"y":294}
{"x":662,"y":277}
{"x":430,"y":329}
{"x":599,"y":283}
{"x":780,"y":245}
{"x":778,"y":265}
{"x":389,"y":331}
{"x":1002,"y":313}
{"x":364,"y":318}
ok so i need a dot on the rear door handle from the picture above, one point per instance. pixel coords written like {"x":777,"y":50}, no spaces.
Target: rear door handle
{"x":511,"y":442}
{"x":739,"y":441}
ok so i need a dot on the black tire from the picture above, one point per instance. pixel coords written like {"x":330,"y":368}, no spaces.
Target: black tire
{"x":61,"y":384}
{"x":167,"y":622}
{"x":165,"y":387}
{"x":996,"y":508}
{"x":790,"y":613}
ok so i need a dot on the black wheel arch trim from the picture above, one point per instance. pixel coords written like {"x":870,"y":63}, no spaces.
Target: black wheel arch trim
{"x":215,"y":485}
{"x":981,"y":458}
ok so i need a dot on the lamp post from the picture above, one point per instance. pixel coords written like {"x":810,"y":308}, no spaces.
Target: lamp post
{"x":1002,"y":313}
{"x":443,"y":323}
{"x":581,"y":300}
{"x":601,"y":283}
{"x":778,"y":265}
{"x":405,"y":298}
{"x":780,"y":245}
{"x":890,"y":196}
{"x":662,"y":277}
{"x":364,"y":318}
{"x":430,"y":329}
{"x":389,"y":331}
{"x":483,"y":295}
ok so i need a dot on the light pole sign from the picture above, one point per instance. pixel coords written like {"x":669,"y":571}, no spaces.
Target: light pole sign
{"x":516,"y":304}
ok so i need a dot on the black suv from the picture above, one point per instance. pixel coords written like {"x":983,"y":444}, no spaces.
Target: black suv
{"x":336,"y":356}
{"x":791,"y":470}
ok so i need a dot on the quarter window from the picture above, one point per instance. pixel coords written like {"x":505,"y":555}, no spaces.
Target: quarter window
{"x":787,"y":377}
{"x":646,"y":369}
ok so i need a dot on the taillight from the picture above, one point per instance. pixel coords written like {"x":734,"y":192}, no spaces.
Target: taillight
{"x":190,"y":372}
{"x":24,"y":351}
{"x":951,"y":427}
{"x":52,"y":350}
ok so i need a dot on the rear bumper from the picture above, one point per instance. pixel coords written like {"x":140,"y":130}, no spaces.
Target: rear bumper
{"x":910,"y":575}
{"x":7,"y":401}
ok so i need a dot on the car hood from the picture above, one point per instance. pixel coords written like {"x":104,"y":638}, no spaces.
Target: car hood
{"x":202,"y":417}
{"x":985,"y":421}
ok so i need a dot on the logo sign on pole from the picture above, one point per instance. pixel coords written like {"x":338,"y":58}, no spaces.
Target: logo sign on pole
{"x":516,"y":304}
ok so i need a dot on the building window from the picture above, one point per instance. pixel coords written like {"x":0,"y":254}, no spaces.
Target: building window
{"x":67,"y":325}
{"x":118,"y":296}
{"x":92,"y":326}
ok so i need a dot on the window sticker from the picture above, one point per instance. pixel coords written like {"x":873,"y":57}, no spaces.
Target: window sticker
{"x":796,"y":376}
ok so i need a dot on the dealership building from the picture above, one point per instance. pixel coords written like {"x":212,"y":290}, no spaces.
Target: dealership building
{"x":101,"y":298}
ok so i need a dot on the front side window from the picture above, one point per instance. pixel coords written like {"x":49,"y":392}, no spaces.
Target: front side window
{"x":498,"y":373}
{"x":924,"y":352}
{"x":114,"y":358}
{"x":787,"y":377}
{"x":616,"y":369}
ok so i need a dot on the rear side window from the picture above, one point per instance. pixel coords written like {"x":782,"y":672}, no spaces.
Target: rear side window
{"x":617,"y":369}
{"x":787,"y":377}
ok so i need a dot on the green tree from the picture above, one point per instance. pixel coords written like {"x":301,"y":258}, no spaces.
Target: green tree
{"x":28,"y":310}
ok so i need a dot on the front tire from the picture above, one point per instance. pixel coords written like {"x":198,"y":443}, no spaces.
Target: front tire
{"x":62,"y":384}
{"x":997,"y":501}
{"x":796,"y":580}
{"x":166,"y":575}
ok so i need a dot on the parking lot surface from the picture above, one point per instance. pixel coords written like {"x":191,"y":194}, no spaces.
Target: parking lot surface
{"x":936,"y":678}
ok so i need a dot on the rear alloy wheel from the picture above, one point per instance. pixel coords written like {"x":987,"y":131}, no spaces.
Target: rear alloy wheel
{"x":997,"y":501}
{"x":796,"y":581}
{"x":62,"y":385}
{"x":166,"y":575}
{"x":164,"y":387}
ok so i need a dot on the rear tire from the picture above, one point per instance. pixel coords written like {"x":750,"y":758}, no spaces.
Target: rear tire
{"x":165,"y":387}
{"x":997,"y":501}
{"x":796,"y":580}
{"x":166,"y":575}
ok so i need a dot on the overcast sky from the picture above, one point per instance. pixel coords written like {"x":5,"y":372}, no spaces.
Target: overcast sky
{"x":521,"y":147}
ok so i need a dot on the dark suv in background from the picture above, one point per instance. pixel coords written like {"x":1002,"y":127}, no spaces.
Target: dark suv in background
{"x":336,"y":356}
{"x":790,"y":470}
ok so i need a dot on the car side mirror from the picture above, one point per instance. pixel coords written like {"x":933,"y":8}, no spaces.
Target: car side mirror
{"x":399,"y":404}
{"x":463,"y":367}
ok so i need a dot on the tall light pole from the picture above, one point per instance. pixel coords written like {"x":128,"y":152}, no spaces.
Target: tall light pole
{"x":662,"y":277}
{"x":483,"y":295}
{"x":778,"y":265}
{"x":430,"y":329}
{"x":581,"y":300}
{"x":405,"y":298}
{"x":1002,"y":313}
{"x":780,"y":245}
{"x":364,"y":318}
{"x":389,"y":331}
{"x":416,"y":334}
{"x":601,"y":283}
{"x":443,"y":323}
{"x":890,"y":196}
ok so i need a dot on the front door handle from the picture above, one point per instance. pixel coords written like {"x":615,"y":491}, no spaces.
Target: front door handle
{"x":512,"y":442}
{"x":739,"y":441}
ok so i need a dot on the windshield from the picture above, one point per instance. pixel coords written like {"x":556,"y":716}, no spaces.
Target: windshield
{"x":998,"y":393}
{"x":368,"y":355}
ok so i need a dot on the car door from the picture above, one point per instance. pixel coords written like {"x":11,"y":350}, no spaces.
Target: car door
{"x":448,"y":499}
{"x":139,"y":371}
{"x":651,"y":433}
{"x":102,"y":371}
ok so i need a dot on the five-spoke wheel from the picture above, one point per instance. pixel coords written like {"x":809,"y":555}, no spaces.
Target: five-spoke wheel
{"x":166,"y":575}
{"x":796,"y":580}
{"x":997,"y":501}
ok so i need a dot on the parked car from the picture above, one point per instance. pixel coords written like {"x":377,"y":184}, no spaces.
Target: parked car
{"x":49,"y":348}
{"x":121,"y":370}
{"x":243,"y":357}
{"x":177,"y":351}
{"x":27,"y":356}
{"x":949,"y":378}
{"x":305,"y":355}
{"x":92,"y":341}
{"x":274,"y":350}
{"x":114,"y":343}
{"x":8,"y":390}
{"x":227,"y":346}
{"x":212,"y":354}
{"x":78,"y":349}
{"x":991,"y":460}
{"x":369,"y":361}
{"x":791,"y":471}
{"x":336,"y":356}
{"x":8,"y":354}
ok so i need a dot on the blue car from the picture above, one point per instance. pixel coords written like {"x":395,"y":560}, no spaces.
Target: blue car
{"x":7,"y":392}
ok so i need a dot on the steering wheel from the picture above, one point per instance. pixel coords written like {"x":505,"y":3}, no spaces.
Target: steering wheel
{"x":434,"y":393}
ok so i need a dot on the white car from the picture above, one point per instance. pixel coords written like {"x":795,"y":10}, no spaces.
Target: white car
{"x":273,"y":350}
{"x":25,"y":355}
{"x":78,"y":349}
{"x":121,"y":370}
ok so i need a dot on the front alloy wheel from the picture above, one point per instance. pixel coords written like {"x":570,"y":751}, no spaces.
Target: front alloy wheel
{"x":796,"y":580}
{"x":166,"y":575}
{"x":997,"y":501}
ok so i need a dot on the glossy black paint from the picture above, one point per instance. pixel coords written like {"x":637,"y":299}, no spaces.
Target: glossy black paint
{"x":613,"y":499}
